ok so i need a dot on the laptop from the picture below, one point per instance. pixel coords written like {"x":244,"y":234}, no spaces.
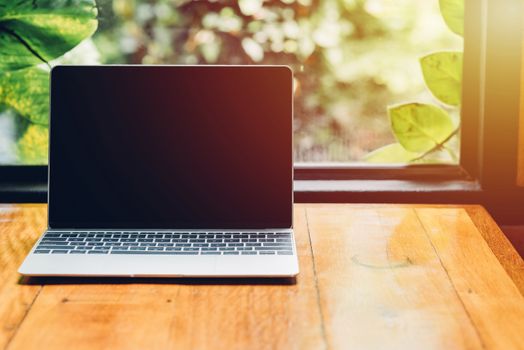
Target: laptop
{"x":169,"y":171}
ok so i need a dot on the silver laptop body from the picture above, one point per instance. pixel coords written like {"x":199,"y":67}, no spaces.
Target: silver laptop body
{"x":169,"y":171}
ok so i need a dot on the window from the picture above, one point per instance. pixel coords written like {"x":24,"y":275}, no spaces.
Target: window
{"x":353,"y":59}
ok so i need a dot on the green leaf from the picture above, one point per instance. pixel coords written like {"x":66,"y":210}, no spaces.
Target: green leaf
{"x":33,"y":145}
{"x":453,"y":13}
{"x":393,"y":153}
{"x":27,"y":92}
{"x":443,"y":75}
{"x":420,"y":127}
{"x":36,"y":31}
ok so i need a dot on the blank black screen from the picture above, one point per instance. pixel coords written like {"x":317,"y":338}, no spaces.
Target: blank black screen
{"x":170,"y":147}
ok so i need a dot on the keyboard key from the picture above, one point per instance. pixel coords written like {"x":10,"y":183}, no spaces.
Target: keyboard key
{"x":59,"y":251}
{"x":42,"y":251}
{"x":285,"y":252}
{"x":201,"y":245}
{"x":56,"y":239}
{"x":53,"y":246}
{"x":98,"y":252}
{"x":280,"y":244}
{"x":231,"y":253}
{"x":54,"y":235}
{"x":223,"y":249}
{"x":282,"y":234}
{"x":248,"y":252}
{"x":266,"y":253}
{"x":53,"y":243}
{"x":276,"y":248}
{"x":155,"y":248}
{"x":153,"y":253}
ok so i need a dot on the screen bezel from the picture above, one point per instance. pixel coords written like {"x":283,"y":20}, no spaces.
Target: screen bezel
{"x":55,"y":224}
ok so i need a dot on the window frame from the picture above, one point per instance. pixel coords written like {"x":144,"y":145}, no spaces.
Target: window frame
{"x":492,"y":58}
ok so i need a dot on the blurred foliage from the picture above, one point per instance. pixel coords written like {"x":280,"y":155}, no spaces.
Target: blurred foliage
{"x":351,"y":58}
{"x":423,"y":131}
{"x":32,"y":34}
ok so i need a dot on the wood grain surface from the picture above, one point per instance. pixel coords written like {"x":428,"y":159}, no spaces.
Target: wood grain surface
{"x":371,"y":277}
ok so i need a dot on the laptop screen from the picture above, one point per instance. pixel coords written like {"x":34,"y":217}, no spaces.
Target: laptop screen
{"x":170,"y":147}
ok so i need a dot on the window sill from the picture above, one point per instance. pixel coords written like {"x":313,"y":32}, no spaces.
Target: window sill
{"x":387,"y":186}
{"x":506,"y":206}
{"x":26,"y":192}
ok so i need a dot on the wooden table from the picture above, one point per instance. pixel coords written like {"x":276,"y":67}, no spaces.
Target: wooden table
{"x":372,"y":277}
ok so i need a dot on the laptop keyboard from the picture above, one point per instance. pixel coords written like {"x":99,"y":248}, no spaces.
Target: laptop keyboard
{"x":166,"y":243}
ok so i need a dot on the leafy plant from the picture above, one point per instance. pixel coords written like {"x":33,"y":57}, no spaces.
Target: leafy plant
{"x":424,"y":130}
{"x":32,"y":34}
